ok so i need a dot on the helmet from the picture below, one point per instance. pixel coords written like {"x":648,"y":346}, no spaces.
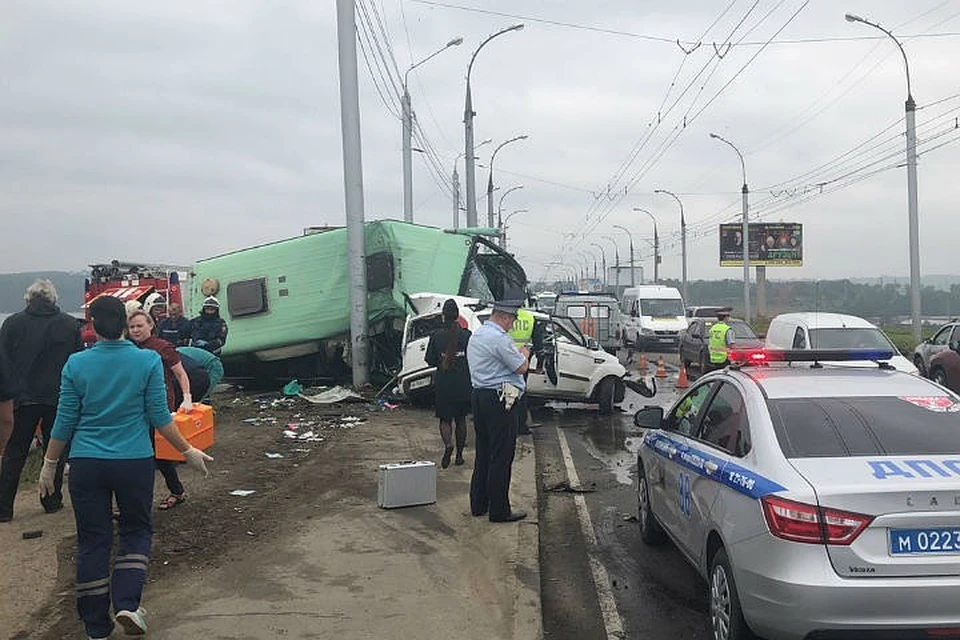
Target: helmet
{"x":211,"y":301}
{"x":153,"y":300}
{"x":132,"y":306}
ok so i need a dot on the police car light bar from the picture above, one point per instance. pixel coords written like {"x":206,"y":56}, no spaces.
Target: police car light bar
{"x":763,"y":356}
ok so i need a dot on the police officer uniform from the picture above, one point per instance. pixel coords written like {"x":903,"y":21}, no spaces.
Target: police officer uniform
{"x":522,"y":334}
{"x":496,"y":373}
{"x":721,"y":339}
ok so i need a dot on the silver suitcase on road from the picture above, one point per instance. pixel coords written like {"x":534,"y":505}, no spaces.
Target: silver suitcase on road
{"x":404,"y":484}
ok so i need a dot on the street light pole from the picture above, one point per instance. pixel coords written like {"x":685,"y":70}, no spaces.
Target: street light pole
{"x":633,"y":281}
{"x":503,"y":227}
{"x":490,"y":177}
{"x":746,"y":229}
{"x":468,"y":114}
{"x":500,"y":204}
{"x":683,"y":241}
{"x":913,"y":215}
{"x":603,"y":258}
{"x":407,"y":118}
{"x":456,"y":185}
{"x":616,"y":254}
{"x":656,"y":246}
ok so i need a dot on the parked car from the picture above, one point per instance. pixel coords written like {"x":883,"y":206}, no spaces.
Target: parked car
{"x":816,"y":502}
{"x":574,"y":367}
{"x":821,"y":330}
{"x":694,"y":342}
{"x":940,"y":341}
{"x":596,"y":314}
{"x":651,"y":317}
{"x":945,"y":367}
{"x":703,"y":311}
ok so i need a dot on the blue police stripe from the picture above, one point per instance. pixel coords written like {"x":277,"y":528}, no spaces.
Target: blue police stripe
{"x":729,"y":474}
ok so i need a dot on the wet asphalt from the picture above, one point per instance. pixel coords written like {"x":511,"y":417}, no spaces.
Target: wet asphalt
{"x":657,"y":593}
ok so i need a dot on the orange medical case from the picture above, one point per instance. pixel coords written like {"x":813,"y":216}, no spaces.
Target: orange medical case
{"x":195,"y":425}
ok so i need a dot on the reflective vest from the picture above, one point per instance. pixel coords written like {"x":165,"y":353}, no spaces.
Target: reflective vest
{"x":522,"y":330}
{"x":718,"y":342}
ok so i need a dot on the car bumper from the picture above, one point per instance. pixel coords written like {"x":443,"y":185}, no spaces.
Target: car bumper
{"x":800,"y":595}
{"x":417,"y":382}
{"x":658,"y":341}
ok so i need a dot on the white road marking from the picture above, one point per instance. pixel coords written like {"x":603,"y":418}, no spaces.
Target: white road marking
{"x":612,"y":621}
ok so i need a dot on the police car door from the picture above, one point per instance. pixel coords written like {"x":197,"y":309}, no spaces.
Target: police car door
{"x":671,"y":485}
{"x":720,"y":445}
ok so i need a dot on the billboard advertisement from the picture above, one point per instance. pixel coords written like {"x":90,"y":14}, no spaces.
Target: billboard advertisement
{"x":771,"y":244}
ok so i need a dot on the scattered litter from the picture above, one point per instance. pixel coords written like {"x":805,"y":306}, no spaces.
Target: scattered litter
{"x":290,"y":434}
{"x":238,"y":509}
{"x":242,"y":492}
{"x":333,"y":395}
{"x":292,"y":388}
{"x":274,"y":455}
{"x":564,"y":487}
{"x":310,"y":436}
{"x":293,"y":426}
{"x":251,"y":533}
{"x":301,"y":450}
{"x":31,"y":535}
{"x":630,"y":518}
{"x":350,"y":419}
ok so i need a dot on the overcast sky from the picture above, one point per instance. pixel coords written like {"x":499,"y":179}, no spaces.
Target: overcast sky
{"x":173,"y":131}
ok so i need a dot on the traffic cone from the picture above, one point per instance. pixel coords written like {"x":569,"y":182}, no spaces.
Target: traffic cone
{"x":661,"y":369}
{"x":642,"y":367}
{"x":682,"y":381}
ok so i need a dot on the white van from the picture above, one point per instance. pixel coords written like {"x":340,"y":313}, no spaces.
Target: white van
{"x":651,"y":317}
{"x":822,"y":330}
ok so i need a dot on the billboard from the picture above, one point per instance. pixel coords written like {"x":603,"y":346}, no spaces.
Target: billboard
{"x":771,"y":244}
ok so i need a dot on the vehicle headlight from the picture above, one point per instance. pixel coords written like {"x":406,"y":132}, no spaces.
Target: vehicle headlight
{"x":647,"y":332}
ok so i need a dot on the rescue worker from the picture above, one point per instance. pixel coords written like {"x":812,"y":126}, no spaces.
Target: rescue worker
{"x":721,"y":339}
{"x":156,"y":306}
{"x":208,"y":330}
{"x":522,"y":333}
{"x":35,"y":344}
{"x":175,"y":329}
{"x":496,"y":373}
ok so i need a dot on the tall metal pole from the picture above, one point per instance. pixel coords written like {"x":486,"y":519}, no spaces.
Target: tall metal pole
{"x":746,"y":229}
{"x":468,"y":115}
{"x":493,"y":157}
{"x":633,"y":281}
{"x":407,"y":118}
{"x":503,"y":227}
{"x":683,"y":240}
{"x":500,"y":204}
{"x":456,"y":197}
{"x":353,"y":187}
{"x":603,"y":258}
{"x":913,"y":215}
{"x":616,"y":253}
{"x":656,"y":246}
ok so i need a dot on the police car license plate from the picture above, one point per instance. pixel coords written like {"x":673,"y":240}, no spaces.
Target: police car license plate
{"x":924,"y":541}
{"x":422,"y":382}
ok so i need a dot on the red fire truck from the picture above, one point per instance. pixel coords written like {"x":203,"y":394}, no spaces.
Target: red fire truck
{"x":129,"y":281}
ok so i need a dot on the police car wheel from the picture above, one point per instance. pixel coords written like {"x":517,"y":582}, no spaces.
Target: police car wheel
{"x":726,"y":617}
{"x":650,"y":531}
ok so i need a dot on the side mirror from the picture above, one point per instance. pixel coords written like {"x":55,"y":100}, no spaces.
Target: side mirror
{"x":648,"y":417}
{"x":592,"y":344}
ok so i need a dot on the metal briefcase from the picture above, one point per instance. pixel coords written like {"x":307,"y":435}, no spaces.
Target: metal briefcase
{"x":408,"y":483}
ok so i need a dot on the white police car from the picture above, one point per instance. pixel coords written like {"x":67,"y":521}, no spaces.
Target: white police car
{"x":818,"y":501}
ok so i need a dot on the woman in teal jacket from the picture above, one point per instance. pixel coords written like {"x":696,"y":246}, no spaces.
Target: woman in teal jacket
{"x":110,"y":396}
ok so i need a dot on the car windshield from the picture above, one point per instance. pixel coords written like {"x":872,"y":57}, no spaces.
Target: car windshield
{"x":870,"y":338}
{"x":741,"y":329}
{"x":845,"y":427}
{"x":661,"y":307}
{"x":423,"y":327}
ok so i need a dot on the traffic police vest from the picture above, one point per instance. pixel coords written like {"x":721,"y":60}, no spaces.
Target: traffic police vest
{"x":718,"y":342}
{"x":522,"y":330}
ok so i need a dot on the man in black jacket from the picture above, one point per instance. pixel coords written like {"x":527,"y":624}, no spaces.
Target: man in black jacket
{"x":35,"y":344}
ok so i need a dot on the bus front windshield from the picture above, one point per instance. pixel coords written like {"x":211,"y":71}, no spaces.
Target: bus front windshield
{"x":661,"y":307}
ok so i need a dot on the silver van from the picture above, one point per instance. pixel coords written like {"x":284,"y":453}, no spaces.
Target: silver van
{"x":596,"y":314}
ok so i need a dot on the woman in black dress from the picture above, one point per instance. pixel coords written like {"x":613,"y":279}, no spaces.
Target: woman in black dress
{"x":447,"y":351}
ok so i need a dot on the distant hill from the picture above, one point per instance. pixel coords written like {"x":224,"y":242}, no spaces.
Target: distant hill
{"x":13,"y":285}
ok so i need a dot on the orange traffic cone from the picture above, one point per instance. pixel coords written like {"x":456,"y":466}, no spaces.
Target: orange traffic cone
{"x":642,"y":367}
{"x":682,"y":381}
{"x":661,"y":369}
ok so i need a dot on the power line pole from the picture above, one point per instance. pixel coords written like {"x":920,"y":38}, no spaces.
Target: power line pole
{"x":353,"y":187}
{"x":456,"y":197}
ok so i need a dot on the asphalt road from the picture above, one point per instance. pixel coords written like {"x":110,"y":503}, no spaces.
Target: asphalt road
{"x":606,"y":583}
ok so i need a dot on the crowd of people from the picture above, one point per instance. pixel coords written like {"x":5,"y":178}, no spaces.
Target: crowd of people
{"x":483,"y":373}
{"x":103,"y":425}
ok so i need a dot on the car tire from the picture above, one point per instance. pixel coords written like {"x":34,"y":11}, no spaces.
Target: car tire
{"x":939,"y":376}
{"x":918,"y":362}
{"x":650,"y":530}
{"x":726,"y":616}
{"x":606,"y":393}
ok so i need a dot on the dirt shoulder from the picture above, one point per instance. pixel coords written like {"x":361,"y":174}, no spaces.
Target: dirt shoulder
{"x":309,"y":554}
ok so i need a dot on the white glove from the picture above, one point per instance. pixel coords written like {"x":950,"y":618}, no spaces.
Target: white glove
{"x":197,"y":459}
{"x":48,"y":475}
{"x":187,"y":404}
